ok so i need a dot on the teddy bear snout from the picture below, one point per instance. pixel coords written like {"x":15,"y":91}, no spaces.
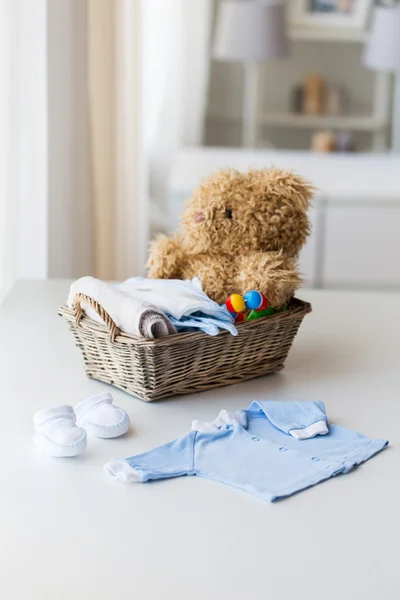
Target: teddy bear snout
{"x":199,"y":217}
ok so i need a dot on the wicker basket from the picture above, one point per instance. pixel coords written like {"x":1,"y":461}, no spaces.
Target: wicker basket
{"x":185,"y":362}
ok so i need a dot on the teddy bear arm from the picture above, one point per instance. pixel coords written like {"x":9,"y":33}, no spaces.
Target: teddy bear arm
{"x":166,"y":259}
{"x":271,"y":273}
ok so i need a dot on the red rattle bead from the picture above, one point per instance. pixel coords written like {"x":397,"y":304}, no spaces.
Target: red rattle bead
{"x":264,"y":303}
{"x":240,"y":318}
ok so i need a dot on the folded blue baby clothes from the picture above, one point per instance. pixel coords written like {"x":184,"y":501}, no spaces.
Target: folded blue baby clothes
{"x":199,"y":321}
{"x":272,"y":450}
{"x":184,"y":303}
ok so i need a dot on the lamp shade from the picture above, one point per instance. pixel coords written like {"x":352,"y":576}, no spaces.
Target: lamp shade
{"x":382,"y":52}
{"x":247,"y":30}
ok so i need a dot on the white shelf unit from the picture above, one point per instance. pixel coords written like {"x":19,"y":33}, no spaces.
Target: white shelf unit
{"x":377,"y":122}
{"x":326,"y":34}
{"x":348,"y":122}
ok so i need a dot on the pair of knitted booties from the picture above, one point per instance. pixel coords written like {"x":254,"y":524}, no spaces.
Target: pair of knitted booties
{"x":61,"y":431}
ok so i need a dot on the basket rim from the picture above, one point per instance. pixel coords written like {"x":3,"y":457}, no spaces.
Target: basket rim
{"x":297,"y":307}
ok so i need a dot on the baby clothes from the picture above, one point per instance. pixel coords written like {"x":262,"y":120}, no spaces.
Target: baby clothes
{"x":272,"y":450}
{"x":174,"y":296}
{"x":199,"y":321}
{"x":153,"y":308}
{"x":184,"y":302}
{"x":290,"y":417}
{"x":131,"y":315}
{"x":224,"y":418}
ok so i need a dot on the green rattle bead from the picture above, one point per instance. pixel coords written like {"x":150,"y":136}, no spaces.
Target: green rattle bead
{"x":256,"y":314}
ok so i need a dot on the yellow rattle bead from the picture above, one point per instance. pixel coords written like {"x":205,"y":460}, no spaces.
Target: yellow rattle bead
{"x":236,"y":303}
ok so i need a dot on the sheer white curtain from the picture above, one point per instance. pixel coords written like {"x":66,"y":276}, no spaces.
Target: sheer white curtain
{"x":149,"y":67}
{"x":117,"y":114}
{"x":105,"y":92}
{"x":176,"y":48}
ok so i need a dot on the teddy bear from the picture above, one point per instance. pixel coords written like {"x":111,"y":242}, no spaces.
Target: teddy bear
{"x":239,"y":232}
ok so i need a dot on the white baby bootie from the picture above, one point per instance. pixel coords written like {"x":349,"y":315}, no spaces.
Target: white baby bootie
{"x":99,"y":416}
{"x":56,"y":432}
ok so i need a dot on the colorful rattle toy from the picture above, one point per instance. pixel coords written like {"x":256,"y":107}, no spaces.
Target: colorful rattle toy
{"x":236,"y":306}
{"x":255,"y":300}
{"x":258,"y":305}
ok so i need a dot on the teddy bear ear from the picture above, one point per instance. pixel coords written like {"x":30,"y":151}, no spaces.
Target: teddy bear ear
{"x":286,"y":185}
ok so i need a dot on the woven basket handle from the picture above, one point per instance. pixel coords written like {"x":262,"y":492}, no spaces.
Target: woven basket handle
{"x":104,"y":316}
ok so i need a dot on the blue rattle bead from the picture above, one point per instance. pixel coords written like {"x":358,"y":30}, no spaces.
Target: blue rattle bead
{"x":253,"y":299}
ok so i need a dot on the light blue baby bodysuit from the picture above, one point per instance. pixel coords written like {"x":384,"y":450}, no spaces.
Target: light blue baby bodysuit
{"x":272,"y":450}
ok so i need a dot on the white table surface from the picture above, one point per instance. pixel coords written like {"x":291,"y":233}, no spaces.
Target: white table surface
{"x":67,"y":531}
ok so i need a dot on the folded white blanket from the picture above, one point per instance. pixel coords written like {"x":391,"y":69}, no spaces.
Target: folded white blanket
{"x":131,"y":315}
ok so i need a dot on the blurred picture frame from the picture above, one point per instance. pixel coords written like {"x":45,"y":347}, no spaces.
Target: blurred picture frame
{"x":331,"y":14}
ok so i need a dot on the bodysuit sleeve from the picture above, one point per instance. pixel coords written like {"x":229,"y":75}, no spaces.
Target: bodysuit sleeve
{"x":302,"y":420}
{"x":169,"y":460}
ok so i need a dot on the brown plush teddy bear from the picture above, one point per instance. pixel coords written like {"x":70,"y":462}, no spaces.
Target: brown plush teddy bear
{"x":239,"y":232}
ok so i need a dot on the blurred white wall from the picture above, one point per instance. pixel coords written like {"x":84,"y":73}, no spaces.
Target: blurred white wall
{"x":8,"y":148}
{"x":31,"y":130}
{"x":49,"y":140}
